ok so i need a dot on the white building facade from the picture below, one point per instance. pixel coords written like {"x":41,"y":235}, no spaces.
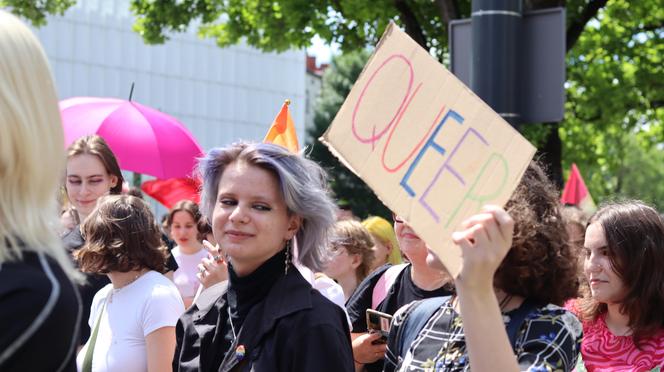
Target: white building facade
{"x":220,"y":95}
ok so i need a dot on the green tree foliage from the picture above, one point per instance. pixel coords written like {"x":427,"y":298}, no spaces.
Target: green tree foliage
{"x":282,"y":24}
{"x":37,"y":10}
{"x":613,"y":123}
{"x":337,"y":83}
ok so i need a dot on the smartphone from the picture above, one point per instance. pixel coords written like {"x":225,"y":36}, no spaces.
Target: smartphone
{"x":379,"y":322}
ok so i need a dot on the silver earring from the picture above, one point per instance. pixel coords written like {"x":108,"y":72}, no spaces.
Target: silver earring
{"x":287,"y":262}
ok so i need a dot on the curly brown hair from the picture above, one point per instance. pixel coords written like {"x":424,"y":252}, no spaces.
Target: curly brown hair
{"x":541,"y":265}
{"x":634,"y":235}
{"x":121,"y":235}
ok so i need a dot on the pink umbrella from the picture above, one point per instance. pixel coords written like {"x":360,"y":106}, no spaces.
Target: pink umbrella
{"x":143,"y":139}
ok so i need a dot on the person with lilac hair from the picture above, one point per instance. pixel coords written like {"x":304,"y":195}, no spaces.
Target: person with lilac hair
{"x":264,"y":201}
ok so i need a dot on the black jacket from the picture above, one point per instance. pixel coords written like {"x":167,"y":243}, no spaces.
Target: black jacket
{"x":294,"y":328}
{"x":39,"y":316}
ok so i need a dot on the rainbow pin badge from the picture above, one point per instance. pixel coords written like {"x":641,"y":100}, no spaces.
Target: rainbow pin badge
{"x":239,"y":353}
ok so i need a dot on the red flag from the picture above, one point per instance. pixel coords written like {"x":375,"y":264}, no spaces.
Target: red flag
{"x":282,"y":131}
{"x":170,"y":191}
{"x":576,"y":193}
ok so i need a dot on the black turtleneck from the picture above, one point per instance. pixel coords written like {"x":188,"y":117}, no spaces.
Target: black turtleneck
{"x":269,"y":319}
{"x":245,"y":292}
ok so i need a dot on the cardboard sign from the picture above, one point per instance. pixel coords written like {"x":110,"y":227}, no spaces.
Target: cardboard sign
{"x":430,"y":149}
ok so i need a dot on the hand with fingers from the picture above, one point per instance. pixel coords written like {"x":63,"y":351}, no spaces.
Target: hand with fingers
{"x":213,"y":269}
{"x":367,"y":349}
{"x":484,"y":241}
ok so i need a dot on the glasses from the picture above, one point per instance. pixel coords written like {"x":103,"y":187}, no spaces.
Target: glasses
{"x":397,"y":219}
{"x":337,"y":249}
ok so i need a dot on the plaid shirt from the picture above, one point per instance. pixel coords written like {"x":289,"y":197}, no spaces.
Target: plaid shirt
{"x":548,"y":340}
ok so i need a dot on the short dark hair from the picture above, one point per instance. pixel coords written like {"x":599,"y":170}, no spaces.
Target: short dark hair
{"x":634,"y":235}
{"x":121,"y":235}
{"x":541,"y":265}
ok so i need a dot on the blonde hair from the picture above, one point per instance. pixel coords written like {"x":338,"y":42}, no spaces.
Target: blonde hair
{"x":31,"y":147}
{"x":383,"y":231}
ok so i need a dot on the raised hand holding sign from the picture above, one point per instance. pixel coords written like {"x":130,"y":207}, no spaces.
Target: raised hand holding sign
{"x":430,"y":149}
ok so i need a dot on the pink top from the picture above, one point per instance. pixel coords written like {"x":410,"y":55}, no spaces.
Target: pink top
{"x":185,"y":276}
{"x":603,"y":351}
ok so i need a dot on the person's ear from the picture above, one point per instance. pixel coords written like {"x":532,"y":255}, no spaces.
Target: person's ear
{"x":114,"y":180}
{"x":355,"y":260}
{"x":293,"y":226}
{"x":389,"y":247}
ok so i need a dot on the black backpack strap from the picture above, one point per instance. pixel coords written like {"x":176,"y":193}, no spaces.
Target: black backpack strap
{"x":414,"y":321}
{"x":516,"y":320}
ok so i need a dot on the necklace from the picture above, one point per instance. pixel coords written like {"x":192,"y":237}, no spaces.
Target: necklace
{"x":114,"y":291}
{"x":503,"y":303}
{"x":240,"y":349}
{"x":230,"y":320}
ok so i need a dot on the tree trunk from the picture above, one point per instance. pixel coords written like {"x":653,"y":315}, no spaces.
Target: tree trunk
{"x":551,"y":155}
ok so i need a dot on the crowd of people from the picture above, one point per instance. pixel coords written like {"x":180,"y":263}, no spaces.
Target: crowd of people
{"x":268,"y":274}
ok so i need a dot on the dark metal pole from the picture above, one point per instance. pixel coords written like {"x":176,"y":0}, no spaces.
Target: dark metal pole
{"x":496,"y":26}
{"x":131,"y":91}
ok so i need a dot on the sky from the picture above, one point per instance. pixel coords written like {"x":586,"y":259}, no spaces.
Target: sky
{"x":321,"y":50}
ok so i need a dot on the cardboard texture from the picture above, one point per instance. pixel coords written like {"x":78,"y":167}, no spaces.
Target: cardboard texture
{"x":431,"y":150}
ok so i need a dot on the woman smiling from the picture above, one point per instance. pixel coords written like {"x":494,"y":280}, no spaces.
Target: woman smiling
{"x":264,"y":202}
{"x":92,"y":172}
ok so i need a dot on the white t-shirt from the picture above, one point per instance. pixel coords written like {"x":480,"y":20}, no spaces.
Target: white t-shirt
{"x":327,"y":287}
{"x":185,"y":276}
{"x":130,"y":314}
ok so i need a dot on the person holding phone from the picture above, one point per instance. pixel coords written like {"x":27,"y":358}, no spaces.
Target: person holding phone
{"x":423,"y":277}
{"x":379,"y":323}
